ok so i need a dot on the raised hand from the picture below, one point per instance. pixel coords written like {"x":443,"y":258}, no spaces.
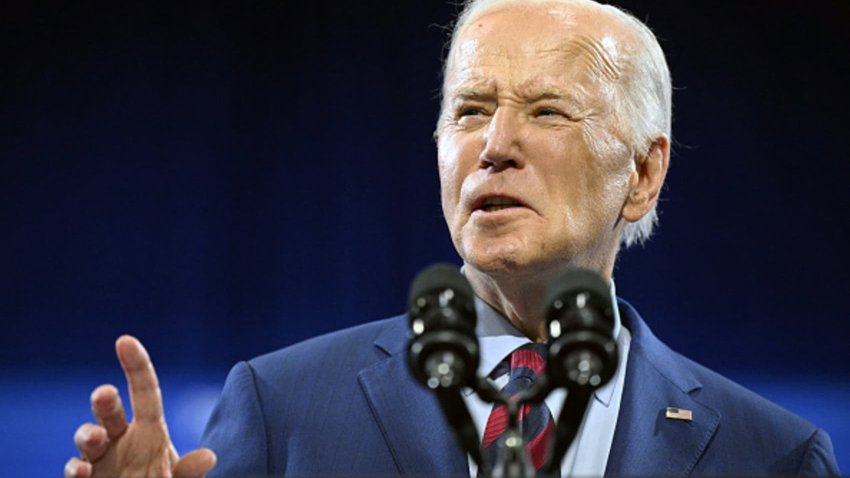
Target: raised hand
{"x":142,"y":448}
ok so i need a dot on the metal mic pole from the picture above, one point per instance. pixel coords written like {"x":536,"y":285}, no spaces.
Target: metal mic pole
{"x":514,"y":461}
{"x":569,"y":421}
{"x":583,"y":354}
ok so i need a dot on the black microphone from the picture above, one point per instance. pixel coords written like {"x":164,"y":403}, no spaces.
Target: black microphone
{"x":443,"y":352}
{"x":580,"y":319}
{"x":582,"y":351}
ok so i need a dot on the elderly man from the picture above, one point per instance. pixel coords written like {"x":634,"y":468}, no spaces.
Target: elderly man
{"x":553,"y":145}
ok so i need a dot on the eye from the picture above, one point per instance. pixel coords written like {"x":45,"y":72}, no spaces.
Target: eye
{"x":471,"y":115}
{"x":470,"y":111}
{"x":552,"y":114}
{"x":547,"y":112}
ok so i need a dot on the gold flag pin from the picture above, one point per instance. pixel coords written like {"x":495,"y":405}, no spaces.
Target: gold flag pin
{"x":674,"y":413}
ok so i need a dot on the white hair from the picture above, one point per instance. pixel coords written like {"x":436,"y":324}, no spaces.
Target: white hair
{"x":644,"y":105}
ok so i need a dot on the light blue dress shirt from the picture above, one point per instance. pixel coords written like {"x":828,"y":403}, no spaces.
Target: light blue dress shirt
{"x":588,"y":454}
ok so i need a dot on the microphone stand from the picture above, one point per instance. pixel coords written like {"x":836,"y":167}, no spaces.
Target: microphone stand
{"x":456,"y":413}
{"x":515,"y":461}
{"x":443,"y":354}
{"x":569,"y":421}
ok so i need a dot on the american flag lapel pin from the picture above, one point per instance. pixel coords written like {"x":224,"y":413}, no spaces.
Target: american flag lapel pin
{"x":675,"y":413}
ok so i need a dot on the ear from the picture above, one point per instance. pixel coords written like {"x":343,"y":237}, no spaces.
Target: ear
{"x":647,"y":179}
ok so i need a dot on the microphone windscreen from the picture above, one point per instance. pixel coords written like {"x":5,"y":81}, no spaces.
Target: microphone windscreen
{"x":441,"y":277}
{"x":575,"y":281}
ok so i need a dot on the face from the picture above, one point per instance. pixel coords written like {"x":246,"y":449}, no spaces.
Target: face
{"x":533,"y":172}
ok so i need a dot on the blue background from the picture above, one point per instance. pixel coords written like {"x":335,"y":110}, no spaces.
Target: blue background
{"x":224,"y":179}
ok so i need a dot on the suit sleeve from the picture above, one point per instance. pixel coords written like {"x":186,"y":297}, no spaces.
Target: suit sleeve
{"x":236,"y":430}
{"x":819,"y":459}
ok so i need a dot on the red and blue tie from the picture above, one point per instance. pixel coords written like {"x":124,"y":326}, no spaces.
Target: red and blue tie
{"x":535,"y":421}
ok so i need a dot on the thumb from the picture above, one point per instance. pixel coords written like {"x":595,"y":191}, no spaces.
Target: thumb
{"x":195,"y":464}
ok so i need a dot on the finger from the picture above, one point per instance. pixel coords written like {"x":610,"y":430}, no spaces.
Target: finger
{"x":91,"y":440}
{"x":195,"y":464}
{"x":145,"y":396}
{"x":76,"y":468}
{"x":108,"y":410}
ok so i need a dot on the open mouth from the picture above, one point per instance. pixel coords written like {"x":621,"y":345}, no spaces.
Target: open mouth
{"x":497,"y":203}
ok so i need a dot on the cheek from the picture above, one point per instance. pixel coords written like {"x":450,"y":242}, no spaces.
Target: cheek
{"x":602,"y":144}
{"x":457,"y":158}
{"x":584,"y":183}
{"x":448,"y":165}
{"x":612,"y":162}
{"x":572,"y":175}
{"x":448,"y":197}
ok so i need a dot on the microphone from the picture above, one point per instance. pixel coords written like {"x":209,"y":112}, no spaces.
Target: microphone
{"x":444,"y":351}
{"x":582,"y":351}
{"x":580,"y":318}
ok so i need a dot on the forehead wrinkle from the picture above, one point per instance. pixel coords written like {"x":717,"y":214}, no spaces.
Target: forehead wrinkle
{"x":472,"y":52}
{"x":598,"y":55}
{"x":472,"y":84}
{"x":538,"y":88}
{"x":599,"y":52}
{"x":463,"y":94}
{"x":477,"y":87}
{"x":465,"y":67}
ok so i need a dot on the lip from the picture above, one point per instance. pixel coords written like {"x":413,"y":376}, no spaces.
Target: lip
{"x":478,"y":203}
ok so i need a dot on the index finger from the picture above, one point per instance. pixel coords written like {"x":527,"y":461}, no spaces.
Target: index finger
{"x":145,"y":395}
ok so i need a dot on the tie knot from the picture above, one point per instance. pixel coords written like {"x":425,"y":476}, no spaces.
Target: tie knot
{"x":528,"y":361}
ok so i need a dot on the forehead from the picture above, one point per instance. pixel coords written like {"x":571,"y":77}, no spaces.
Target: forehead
{"x":536,"y":46}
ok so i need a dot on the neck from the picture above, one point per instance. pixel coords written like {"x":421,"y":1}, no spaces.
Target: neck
{"x":518,"y":296}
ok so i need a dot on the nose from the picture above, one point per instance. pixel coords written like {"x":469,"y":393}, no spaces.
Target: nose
{"x":502,"y":142}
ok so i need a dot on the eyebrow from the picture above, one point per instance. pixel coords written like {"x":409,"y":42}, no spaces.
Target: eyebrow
{"x":549,"y":95}
{"x":534,"y":95}
{"x":530,"y":95}
{"x":467,"y":93}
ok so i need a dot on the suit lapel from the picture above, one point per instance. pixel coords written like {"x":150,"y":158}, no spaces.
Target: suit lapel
{"x":646,"y":442}
{"x":409,"y":415}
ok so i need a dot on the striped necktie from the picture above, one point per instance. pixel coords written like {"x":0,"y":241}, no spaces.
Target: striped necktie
{"x":535,"y":421}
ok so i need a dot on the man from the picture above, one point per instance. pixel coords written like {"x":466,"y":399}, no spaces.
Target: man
{"x":553,"y":145}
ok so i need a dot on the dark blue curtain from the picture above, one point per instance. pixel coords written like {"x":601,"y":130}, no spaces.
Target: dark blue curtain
{"x":223,"y":180}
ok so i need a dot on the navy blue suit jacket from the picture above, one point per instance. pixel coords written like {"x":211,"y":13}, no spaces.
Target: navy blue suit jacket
{"x":345,"y":404}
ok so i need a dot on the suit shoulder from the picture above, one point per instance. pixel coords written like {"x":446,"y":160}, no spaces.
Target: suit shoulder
{"x":353,"y":347}
{"x":741,"y":405}
{"x":741,"y":409}
{"x":745,"y":434}
{"x":792,"y":444}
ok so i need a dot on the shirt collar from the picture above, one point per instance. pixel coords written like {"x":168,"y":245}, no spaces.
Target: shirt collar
{"x":497,"y":338}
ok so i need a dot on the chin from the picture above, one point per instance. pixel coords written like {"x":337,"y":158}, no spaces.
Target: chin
{"x":515,"y":257}
{"x":499,"y":257}
{"x":494,"y":265}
